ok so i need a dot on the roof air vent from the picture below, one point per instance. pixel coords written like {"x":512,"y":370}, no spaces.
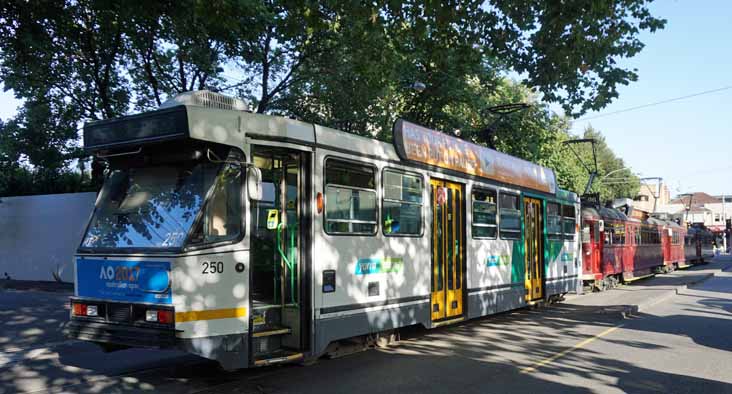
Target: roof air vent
{"x":208,"y":99}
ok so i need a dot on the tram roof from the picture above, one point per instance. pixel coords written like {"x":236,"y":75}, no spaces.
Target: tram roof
{"x":229,"y":126}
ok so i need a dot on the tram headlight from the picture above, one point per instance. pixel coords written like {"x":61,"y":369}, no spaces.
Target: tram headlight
{"x":151,"y":315}
{"x":91,"y":310}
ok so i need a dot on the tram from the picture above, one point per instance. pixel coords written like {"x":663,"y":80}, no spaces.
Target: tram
{"x":698,"y":245}
{"x":255,"y":240}
{"x":618,"y":249}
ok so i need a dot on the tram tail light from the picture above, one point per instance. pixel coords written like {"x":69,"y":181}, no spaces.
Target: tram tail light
{"x":158,"y":316}
{"x":79,"y":310}
{"x":165,"y":317}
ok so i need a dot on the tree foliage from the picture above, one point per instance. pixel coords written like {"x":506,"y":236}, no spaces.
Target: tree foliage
{"x":347,"y":65}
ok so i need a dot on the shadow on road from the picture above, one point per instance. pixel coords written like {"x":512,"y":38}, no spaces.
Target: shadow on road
{"x":486,"y":355}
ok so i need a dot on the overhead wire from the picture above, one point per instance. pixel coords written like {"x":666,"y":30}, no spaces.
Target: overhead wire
{"x":655,"y":103}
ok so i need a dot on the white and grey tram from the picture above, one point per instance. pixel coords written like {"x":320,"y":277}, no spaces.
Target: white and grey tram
{"x":253,"y":240}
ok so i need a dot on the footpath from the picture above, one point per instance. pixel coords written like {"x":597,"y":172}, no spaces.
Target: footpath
{"x":633,"y":298}
{"x":32,"y":285}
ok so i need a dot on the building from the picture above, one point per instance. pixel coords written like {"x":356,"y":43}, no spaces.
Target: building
{"x":651,"y":196}
{"x":700,"y":209}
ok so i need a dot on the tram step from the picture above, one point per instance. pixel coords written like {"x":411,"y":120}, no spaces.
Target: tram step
{"x":278,"y":357}
{"x":272,"y":331}
{"x":265,"y":318}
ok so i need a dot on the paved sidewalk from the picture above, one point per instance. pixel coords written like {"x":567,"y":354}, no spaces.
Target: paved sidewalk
{"x":644,"y":293}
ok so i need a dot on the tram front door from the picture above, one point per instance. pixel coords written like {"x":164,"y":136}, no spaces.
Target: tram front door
{"x":447,"y":249}
{"x":533,"y":248}
{"x":278,"y":263}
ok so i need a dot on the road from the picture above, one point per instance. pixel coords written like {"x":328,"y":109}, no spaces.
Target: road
{"x":675,"y":343}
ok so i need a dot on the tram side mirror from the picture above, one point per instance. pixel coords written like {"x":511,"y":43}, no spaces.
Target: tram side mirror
{"x":254,"y":183}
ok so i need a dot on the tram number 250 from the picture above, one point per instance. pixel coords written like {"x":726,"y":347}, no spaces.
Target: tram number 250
{"x":213,"y":267}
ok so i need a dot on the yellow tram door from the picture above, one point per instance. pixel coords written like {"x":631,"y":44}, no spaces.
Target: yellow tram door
{"x":447,"y":249}
{"x":533,"y":248}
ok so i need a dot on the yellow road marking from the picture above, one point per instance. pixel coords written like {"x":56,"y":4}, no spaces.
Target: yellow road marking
{"x":566,"y":351}
{"x":210,"y":314}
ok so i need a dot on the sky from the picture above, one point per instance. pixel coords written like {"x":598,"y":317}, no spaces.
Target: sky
{"x":688,"y":142}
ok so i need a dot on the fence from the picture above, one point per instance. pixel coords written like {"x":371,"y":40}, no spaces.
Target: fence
{"x":39,"y":234}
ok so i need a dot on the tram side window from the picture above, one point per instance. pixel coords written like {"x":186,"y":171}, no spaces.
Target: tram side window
{"x":401,"y":206}
{"x":638,"y":233}
{"x":568,"y":221}
{"x":510,"y":216}
{"x":350,"y":198}
{"x":484,"y":214}
{"x":619,"y":235}
{"x":553,"y":221}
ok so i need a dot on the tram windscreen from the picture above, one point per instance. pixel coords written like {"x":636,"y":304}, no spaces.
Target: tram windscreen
{"x":156,"y":206}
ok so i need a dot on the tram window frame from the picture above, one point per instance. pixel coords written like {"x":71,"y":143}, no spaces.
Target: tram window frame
{"x":503,"y":232}
{"x":326,"y":186}
{"x":235,"y":156}
{"x":475,"y":224}
{"x":384,"y":200}
{"x":551,"y":233}
{"x":566,"y":218}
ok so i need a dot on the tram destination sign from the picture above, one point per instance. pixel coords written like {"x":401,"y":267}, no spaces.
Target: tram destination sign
{"x":164,"y":124}
{"x":420,"y":144}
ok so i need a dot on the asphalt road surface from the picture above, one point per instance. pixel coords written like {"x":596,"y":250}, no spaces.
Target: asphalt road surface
{"x":679,"y":342}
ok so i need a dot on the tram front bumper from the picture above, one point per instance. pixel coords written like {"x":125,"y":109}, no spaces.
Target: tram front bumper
{"x":120,"y":334}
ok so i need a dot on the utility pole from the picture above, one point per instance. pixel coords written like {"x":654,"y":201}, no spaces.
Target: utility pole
{"x":724,"y":220}
{"x":657,"y":193}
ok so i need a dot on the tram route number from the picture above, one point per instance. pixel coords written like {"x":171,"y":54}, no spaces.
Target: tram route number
{"x":213,"y":267}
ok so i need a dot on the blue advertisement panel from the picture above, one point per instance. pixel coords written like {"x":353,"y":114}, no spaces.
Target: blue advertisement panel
{"x":128,"y":281}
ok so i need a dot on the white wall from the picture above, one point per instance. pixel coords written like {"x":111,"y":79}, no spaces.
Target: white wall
{"x":39,"y":234}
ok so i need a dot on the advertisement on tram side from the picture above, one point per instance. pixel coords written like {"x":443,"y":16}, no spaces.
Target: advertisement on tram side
{"x":420,"y":144}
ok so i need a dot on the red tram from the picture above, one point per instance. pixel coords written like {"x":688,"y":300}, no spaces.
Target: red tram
{"x":698,"y":245}
{"x":618,"y":249}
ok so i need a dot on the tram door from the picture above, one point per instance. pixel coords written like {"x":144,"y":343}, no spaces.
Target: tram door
{"x":447,"y":249}
{"x":276,"y":252}
{"x":533,"y":247}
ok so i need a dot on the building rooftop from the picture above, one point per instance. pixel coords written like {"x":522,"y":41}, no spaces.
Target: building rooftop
{"x":698,"y":199}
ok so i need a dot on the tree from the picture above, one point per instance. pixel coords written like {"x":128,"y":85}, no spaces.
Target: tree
{"x":341,"y":64}
{"x":621,"y":183}
{"x":36,"y":148}
{"x":177,"y":46}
